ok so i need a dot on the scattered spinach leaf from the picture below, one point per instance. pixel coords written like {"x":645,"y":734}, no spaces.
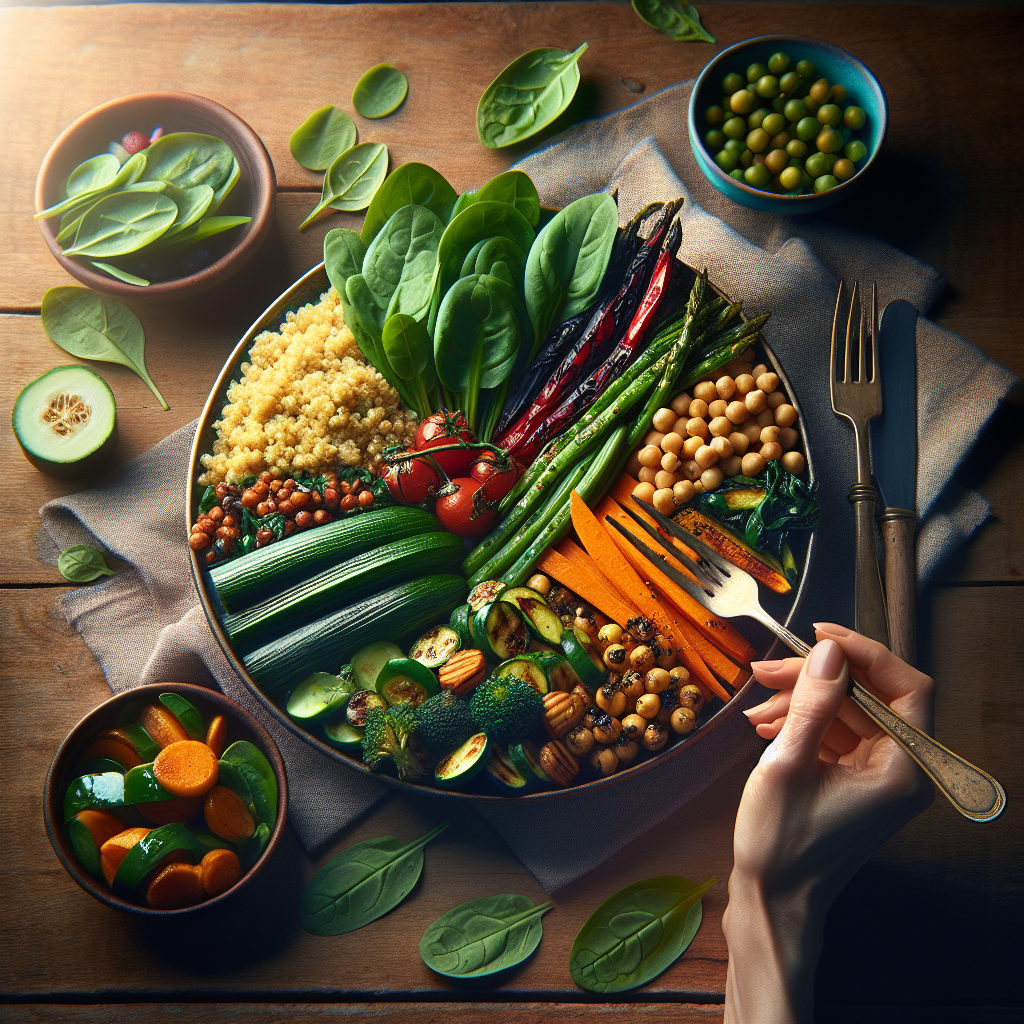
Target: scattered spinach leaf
{"x":122,"y":223}
{"x":483,"y":936}
{"x":209,"y":499}
{"x":362,"y":883}
{"x":636,"y":934}
{"x":410,"y":352}
{"x":93,"y":326}
{"x":121,"y":275}
{"x":673,"y":18}
{"x":380,"y":91}
{"x":92,"y":174}
{"x":528,"y":95}
{"x":491,"y":251}
{"x":411,"y":184}
{"x":352,"y":180}
{"x":83,"y":564}
{"x":187,"y":159}
{"x":323,"y":136}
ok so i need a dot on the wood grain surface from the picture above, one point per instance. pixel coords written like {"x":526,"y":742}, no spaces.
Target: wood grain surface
{"x":943,"y":191}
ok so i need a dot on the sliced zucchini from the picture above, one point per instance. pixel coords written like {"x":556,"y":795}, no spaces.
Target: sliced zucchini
{"x":342,"y":735}
{"x":404,"y":681}
{"x":500,"y":630}
{"x":514,"y":593}
{"x":460,"y":623}
{"x":321,"y":695}
{"x":583,"y":659}
{"x":539,"y":615}
{"x":484,"y":593}
{"x":462,"y":764}
{"x":360,"y":704}
{"x":561,"y":675}
{"x":529,"y":668}
{"x":526,"y":759}
{"x":504,"y":774}
{"x":436,"y":646}
{"x":369,"y":660}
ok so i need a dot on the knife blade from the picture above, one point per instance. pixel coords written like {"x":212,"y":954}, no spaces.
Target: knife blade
{"x":894,"y":458}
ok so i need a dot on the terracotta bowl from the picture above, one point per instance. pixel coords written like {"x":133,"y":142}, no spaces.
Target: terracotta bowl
{"x":254,"y":195}
{"x":242,"y":726}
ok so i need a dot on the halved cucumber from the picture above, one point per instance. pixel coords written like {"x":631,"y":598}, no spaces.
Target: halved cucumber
{"x":484,"y":593}
{"x":504,"y":774}
{"x":369,"y":660}
{"x":344,"y":736}
{"x":500,"y":630}
{"x":539,"y":615}
{"x":65,"y":421}
{"x":462,"y":764}
{"x":404,"y":681}
{"x":525,"y":757}
{"x":529,"y":668}
{"x":321,"y":695}
{"x":434,"y":648}
{"x":460,"y":623}
{"x":584,"y":661}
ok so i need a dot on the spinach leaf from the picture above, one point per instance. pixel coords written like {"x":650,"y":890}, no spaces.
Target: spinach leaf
{"x":130,"y":172}
{"x":352,"y":180}
{"x":636,"y":934}
{"x":324,"y":135}
{"x":93,"y":326}
{"x":399,"y":264}
{"x":528,"y":95}
{"x":411,"y":184}
{"x":483,"y":936}
{"x":192,"y":204}
{"x":122,"y":223}
{"x":221,"y":193}
{"x":409,"y":350}
{"x":485,"y":254}
{"x":206,"y":228}
{"x":512,"y":187}
{"x":187,"y":159}
{"x":379,"y":91}
{"x":121,"y":275}
{"x":566,"y":265}
{"x":343,"y":256}
{"x":362,"y":883}
{"x":92,"y":174}
{"x":83,"y":564}
{"x":673,"y":18}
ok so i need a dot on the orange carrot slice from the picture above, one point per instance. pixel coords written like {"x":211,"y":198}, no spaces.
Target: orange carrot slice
{"x":574,"y":574}
{"x":227,"y":815}
{"x":102,"y":825}
{"x":114,"y":750}
{"x":176,"y":886}
{"x":116,"y":848}
{"x":220,"y":870}
{"x":186,"y":768}
{"x":216,"y":734}
{"x":162,"y":725}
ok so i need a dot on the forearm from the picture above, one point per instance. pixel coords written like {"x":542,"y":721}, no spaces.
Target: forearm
{"x":774,"y":944}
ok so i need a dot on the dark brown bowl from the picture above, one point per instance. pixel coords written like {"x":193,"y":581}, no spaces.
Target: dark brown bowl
{"x":242,"y":726}
{"x":254,"y":195}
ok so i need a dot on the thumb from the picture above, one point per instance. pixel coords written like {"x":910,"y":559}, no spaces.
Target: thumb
{"x":818,"y":693}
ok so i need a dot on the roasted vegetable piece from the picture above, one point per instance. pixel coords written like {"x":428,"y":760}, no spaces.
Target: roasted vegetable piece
{"x":187,"y":768}
{"x":387,"y":738}
{"x":176,"y":886}
{"x":220,"y":870}
{"x":507,"y":709}
{"x":227,"y":815}
{"x":116,"y":848}
{"x":444,"y":722}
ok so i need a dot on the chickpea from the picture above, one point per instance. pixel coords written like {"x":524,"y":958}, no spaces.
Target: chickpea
{"x":199,"y":540}
{"x":654,"y":437}
{"x":586,"y":624}
{"x":765,"y":419}
{"x":788,"y":437}
{"x":673,"y":443}
{"x":647,"y":475}
{"x":682,"y":492}
{"x":785,"y":416}
{"x":580,"y":740}
{"x":752,"y":430}
{"x":610,"y":633}
{"x":696,"y":427}
{"x":655,"y":736}
{"x":771,"y":451}
{"x":759,"y":369}
{"x":604,"y":761}
{"x":691,"y":471}
{"x":680,"y":427}
{"x":608,"y":730}
{"x":657,"y":680}
{"x":614,"y":656}
{"x":732,"y":466}
{"x":648,"y":706}
{"x":670,"y":462}
{"x":663,"y":501}
{"x":745,"y":384}
{"x":644,"y":491}
{"x":706,"y":456}
{"x":633,"y":726}
{"x":737,"y":412}
{"x":712,"y":478}
{"x":717,"y":408}
{"x":680,"y":675}
{"x":756,"y":402}
{"x":775,"y":399}
{"x":767,"y":381}
{"x":794,"y":462}
{"x":663,"y":420}
{"x":634,"y":465}
{"x":666,"y":659}
{"x":720,"y":426}
{"x":691,"y":446}
{"x":706,"y":392}
{"x":721,"y":447}
{"x":642,"y":659}
{"x":650,"y":456}
{"x":681,"y":403}
{"x":740,"y":442}
{"x":725,"y":386}
{"x":772,"y":433}
{"x":612,"y":700}
{"x":689,"y":696}
{"x":683,"y":720}
{"x":738,"y":366}
{"x":633,"y":685}
{"x":627,"y":750}
{"x":663,"y":479}
{"x":540,"y":583}
{"x":698,"y":487}
{"x":752,"y":464}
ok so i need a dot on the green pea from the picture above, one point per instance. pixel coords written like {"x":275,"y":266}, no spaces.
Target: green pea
{"x":755,"y":119}
{"x":779,"y":104}
{"x":776,"y":161}
{"x":746,"y":158}
{"x":789,"y":83}
{"x":817,"y":165}
{"x":781,"y":140}
{"x":805,"y":69}
{"x":778,"y":63}
{"x":789,"y":179}
{"x":794,"y":110}
{"x":830,"y":114}
{"x":838,"y":93}
{"x":832,"y":159}
{"x":767,"y":86}
{"x":742,"y":102}
{"x":757,"y":140}
{"x":812,"y":105}
{"x":824,"y":183}
{"x":757,"y":176}
{"x":855,"y":150}
{"x":734,"y":146}
{"x":774,"y":123}
{"x":714,"y":139}
{"x":715,"y":116}
{"x":844,"y":169}
{"x":726,"y":160}
{"x":756,"y":71}
{"x":737,"y":174}
{"x":732,"y":83}
{"x":807,"y":128}
{"x":736,"y":128}
{"x":796,"y":148}
{"x":829,"y":140}
{"x":821,"y":90}
{"x":854,"y":117}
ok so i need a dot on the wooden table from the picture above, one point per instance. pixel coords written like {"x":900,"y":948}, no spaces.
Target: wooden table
{"x":928,"y":930}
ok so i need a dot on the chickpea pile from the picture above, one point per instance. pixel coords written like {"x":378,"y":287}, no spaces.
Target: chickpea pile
{"x":733,"y":424}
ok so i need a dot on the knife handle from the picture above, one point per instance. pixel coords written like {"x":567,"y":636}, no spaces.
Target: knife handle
{"x":869,"y":603}
{"x":898,"y":526}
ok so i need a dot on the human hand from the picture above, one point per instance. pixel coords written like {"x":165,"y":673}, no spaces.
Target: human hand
{"x":825,"y":794}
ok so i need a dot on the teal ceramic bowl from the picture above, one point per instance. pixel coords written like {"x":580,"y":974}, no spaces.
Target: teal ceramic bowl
{"x":830,"y":62}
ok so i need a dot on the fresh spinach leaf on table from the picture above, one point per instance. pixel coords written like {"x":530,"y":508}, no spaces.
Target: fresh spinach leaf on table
{"x":380,"y":91}
{"x":82,"y":563}
{"x":352,"y":180}
{"x":322,"y":137}
{"x":411,"y":184}
{"x":673,"y":18}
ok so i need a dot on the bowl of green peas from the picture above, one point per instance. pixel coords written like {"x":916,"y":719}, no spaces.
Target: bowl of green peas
{"x":784,"y":124}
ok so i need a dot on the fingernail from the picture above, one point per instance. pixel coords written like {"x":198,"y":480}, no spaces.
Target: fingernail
{"x":767,"y":666}
{"x":761,"y":707}
{"x":826,"y":660}
{"x":832,"y":627}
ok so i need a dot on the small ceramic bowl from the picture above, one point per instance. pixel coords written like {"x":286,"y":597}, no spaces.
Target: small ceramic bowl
{"x":242,"y":726}
{"x":830,"y":62}
{"x":253,"y":196}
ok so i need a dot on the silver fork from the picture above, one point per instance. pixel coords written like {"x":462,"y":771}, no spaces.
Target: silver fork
{"x":730,"y":592}
{"x":860,"y":400}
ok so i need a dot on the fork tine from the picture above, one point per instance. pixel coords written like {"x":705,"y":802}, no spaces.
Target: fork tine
{"x":866,"y":339}
{"x":832,"y":348}
{"x":874,"y":331}
{"x":699,"y":569}
{"x":708,"y":554}
{"x":696,"y":590}
{"x":848,"y":359}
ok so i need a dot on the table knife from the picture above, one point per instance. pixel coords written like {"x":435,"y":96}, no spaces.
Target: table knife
{"x":894,"y":457}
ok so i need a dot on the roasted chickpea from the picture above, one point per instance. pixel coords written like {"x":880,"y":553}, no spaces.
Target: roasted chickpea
{"x":664,"y":501}
{"x":706,"y":392}
{"x":663,"y":479}
{"x":725,"y":386}
{"x":198,"y":540}
{"x":771,"y":451}
{"x":641,"y":659}
{"x":666,"y":657}
{"x":611,"y":699}
{"x":788,"y":437}
{"x":663,"y":420}
{"x":794,"y":462}
{"x":689,"y":696}
{"x":698,"y":409}
{"x":721,"y":446}
{"x":607,"y":730}
{"x":540,"y":583}
{"x":736,"y":412}
{"x":732,"y":466}
{"x":587,"y":625}
{"x":670,"y":462}
{"x":604,"y":761}
{"x":772,"y":433}
{"x":650,"y":456}
{"x":615,"y":656}
{"x":706,"y":456}
{"x":681,"y":404}
{"x":720,"y":426}
{"x":737,"y":367}
{"x":644,"y":491}
{"x":691,"y":446}
{"x":610,"y":633}
{"x":751,"y":430}
{"x":648,"y":705}
{"x":633,"y":466}
{"x":672,"y":443}
{"x":717,"y":408}
{"x":626,"y":750}
{"x":698,"y":486}
{"x":756,"y":402}
{"x":680,"y":427}
{"x":697,"y":427}
{"x":758,"y":370}
{"x":632,"y":684}
{"x":785,"y":415}
{"x":682,"y":492}
{"x":680,"y":675}
{"x":657,"y":680}
{"x":691,"y":471}
{"x":740,"y":442}
{"x":775,"y":399}
{"x":633,"y":726}
{"x":655,"y":736}
{"x":580,"y":740}
{"x":745,"y":384}
{"x":712,"y":478}
{"x":647,"y":475}
{"x":682,"y":720}
{"x":765,"y":419}
{"x":767,"y":381}
{"x":752,"y":464}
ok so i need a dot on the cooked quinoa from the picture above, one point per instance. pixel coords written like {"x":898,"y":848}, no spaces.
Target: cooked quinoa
{"x":307,"y":401}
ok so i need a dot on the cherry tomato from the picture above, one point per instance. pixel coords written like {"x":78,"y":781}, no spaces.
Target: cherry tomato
{"x":444,"y":427}
{"x":466,"y":512}
{"x":497,"y":472}
{"x":411,"y":481}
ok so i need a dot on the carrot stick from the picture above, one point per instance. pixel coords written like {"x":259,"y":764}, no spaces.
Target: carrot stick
{"x":577,"y":577}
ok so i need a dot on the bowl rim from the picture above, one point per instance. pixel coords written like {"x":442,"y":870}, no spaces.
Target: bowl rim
{"x":264,"y":199}
{"x":316,"y":278}
{"x":58,"y":769}
{"x":834,"y":194}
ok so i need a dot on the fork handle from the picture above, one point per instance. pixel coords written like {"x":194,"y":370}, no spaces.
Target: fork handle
{"x":869,"y":604}
{"x":898,"y":526}
{"x":974,"y":793}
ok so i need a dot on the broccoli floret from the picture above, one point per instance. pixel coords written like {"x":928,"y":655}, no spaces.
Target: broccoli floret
{"x":444,"y":722}
{"x":507,"y":708}
{"x":388,"y":734}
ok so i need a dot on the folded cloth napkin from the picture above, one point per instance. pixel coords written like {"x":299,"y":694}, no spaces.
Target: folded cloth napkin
{"x":145,"y":624}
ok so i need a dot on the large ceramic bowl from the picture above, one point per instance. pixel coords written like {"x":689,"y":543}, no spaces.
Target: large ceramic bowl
{"x":838,"y":66}
{"x":241,"y":726}
{"x":254,"y":196}
{"x":308,"y":289}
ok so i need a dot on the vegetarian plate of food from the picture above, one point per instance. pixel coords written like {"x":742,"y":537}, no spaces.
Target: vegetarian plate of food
{"x":438,"y":490}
